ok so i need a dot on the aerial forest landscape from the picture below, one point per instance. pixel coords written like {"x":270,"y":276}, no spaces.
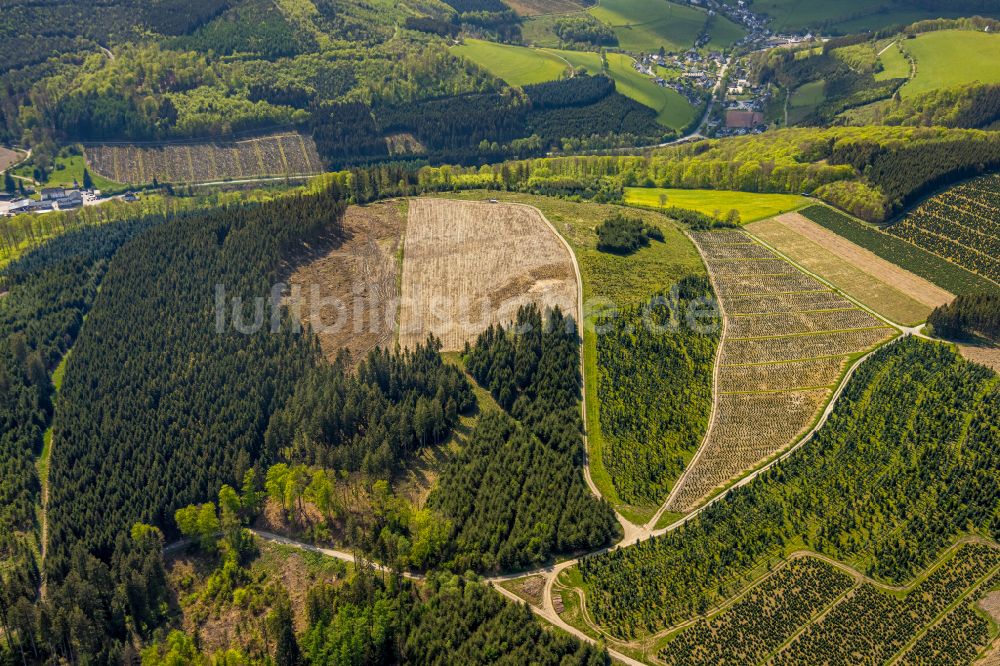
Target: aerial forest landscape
{"x":522,"y":332}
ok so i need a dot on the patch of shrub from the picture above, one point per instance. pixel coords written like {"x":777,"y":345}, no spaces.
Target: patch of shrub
{"x":621,"y":234}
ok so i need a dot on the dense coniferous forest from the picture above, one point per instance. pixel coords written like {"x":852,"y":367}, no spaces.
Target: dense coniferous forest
{"x":50,"y":291}
{"x":347,"y":134}
{"x":916,"y":422}
{"x":96,"y":611}
{"x":905,"y":171}
{"x":532,"y":369}
{"x":33,"y":31}
{"x":155,"y":360}
{"x":515,"y":494}
{"x":371,"y":419}
{"x":968,"y":315}
{"x":165,"y":398}
{"x":256,"y":27}
{"x":454,"y":129}
{"x":451,"y":621}
{"x":655,"y":387}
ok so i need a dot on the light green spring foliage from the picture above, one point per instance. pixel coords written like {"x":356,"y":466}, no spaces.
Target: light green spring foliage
{"x":179,"y":649}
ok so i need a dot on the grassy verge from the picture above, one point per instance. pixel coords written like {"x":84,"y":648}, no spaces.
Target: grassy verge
{"x":42,"y":463}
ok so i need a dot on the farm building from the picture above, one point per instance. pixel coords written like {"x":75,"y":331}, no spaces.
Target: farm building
{"x":737,"y":119}
{"x":52,"y":193}
{"x":70,"y":199}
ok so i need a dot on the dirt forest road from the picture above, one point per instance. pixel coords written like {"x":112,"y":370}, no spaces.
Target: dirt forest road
{"x":632,"y":533}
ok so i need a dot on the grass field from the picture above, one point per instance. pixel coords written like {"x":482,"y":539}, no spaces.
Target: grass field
{"x":540,"y":31}
{"x":672,"y":108}
{"x":751,"y":206}
{"x":517,"y":65}
{"x":805,"y":98}
{"x":844,"y":16}
{"x":810,"y":94}
{"x":894,"y":64}
{"x":952,"y":57}
{"x":793,"y":14}
{"x":586,"y":59}
{"x":610,"y":280}
{"x":537,"y":7}
{"x":9,"y":157}
{"x":646,"y":25}
{"x":725,"y":33}
{"x":885,"y":288}
{"x":66,"y":171}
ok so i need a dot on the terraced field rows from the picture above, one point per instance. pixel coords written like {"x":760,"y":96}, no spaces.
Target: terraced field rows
{"x":871,"y":626}
{"x":961,"y":225}
{"x":787,"y":342}
{"x":811,"y":611}
{"x":765,"y":618}
{"x":275,"y":155}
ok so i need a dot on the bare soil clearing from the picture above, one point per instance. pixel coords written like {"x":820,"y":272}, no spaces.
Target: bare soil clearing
{"x":469,"y":265}
{"x":289,"y":154}
{"x":9,"y":157}
{"x":347,"y":289}
{"x":886,"y":288}
{"x":530,"y":588}
{"x":991,"y":604}
{"x":539,"y":7}
{"x":982,"y":353}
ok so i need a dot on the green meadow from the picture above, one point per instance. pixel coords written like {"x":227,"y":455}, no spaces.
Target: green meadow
{"x":751,"y":205}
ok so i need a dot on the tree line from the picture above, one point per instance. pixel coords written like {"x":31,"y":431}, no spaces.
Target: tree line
{"x":968,"y":315}
{"x":864,"y":170}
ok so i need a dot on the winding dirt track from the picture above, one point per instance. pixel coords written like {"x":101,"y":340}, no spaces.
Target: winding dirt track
{"x":632,"y":533}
